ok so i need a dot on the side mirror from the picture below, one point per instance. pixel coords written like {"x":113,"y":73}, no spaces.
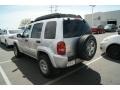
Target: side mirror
{"x":25,"y":35}
{"x":19,"y":35}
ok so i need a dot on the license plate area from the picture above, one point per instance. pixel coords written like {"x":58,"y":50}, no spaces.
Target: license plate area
{"x":71,"y":63}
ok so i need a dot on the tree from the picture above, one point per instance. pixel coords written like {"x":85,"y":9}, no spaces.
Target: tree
{"x":24,"y":22}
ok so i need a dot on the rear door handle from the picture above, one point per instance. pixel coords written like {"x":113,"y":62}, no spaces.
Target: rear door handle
{"x":38,"y":42}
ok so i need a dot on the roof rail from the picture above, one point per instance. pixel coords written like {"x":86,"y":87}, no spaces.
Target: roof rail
{"x":56,"y":15}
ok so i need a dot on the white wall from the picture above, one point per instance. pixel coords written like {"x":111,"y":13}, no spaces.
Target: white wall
{"x":103,"y":17}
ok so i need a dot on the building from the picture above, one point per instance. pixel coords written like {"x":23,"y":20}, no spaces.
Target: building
{"x":103,"y":18}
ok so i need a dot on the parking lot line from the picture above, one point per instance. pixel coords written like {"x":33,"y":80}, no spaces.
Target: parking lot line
{"x":5,"y":62}
{"x":69,"y":73}
{"x":4,"y":76}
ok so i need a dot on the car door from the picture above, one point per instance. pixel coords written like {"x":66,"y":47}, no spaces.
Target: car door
{"x":23,"y":41}
{"x":35,"y":39}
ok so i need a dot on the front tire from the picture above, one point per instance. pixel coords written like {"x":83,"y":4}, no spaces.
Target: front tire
{"x":114,"y":52}
{"x":17,"y":53}
{"x":0,"y":41}
{"x":45,"y":66}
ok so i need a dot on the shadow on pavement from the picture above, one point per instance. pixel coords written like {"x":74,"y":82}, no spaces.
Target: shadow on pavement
{"x":2,"y":46}
{"x":30,"y":69}
{"x":108,"y":58}
{"x":84,"y":76}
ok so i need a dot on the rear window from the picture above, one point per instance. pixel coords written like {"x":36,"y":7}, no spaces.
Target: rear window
{"x":15,"y":31}
{"x":75,"y":28}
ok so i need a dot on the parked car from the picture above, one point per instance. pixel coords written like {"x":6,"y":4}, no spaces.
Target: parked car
{"x":98,"y":29}
{"x":118,"y":30}
{"x":8,"y":36}
{"x":57,"y":41}
{"x":0,"y":31}
{"x":110,"y":28}
{"x":111,"y":46}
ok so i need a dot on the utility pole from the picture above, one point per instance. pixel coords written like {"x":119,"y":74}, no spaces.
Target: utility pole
{"x":51,"y":8}
{"x":92,"y":6}
{"x":56,"y":8}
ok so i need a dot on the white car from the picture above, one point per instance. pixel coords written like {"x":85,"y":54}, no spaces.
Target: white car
{"x":8,"y":36}
{"x":111,"y":46}
{"x":118,"y":30}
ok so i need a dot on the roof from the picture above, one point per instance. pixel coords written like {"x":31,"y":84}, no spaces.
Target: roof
{"x":56,"y":15}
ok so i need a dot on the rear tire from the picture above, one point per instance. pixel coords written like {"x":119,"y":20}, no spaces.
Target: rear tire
{"x":86,"y":47}
{"x":114,"y":52}
{"x":6,"y":44}
{"x":17,"y":53}
{"x":45,"y":66}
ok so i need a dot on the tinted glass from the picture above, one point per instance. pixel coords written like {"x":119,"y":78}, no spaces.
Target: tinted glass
{"x":36,"y":31}
{"x":50,"y":30}
{"x":28,"y":27}
{"x":75,"y":28}
{"x":5,"y":32}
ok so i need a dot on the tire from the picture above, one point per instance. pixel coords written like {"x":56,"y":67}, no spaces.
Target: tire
{"x":0,"y":41}
{"x":6,"y":44}
{"x":45,"y":66}
{"x":17,"y":53}
{"x":97,"y":32}
{"x":86,"y":47}
{"x":114,"y":52}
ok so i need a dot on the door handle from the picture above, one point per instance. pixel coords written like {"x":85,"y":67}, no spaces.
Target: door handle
{"x":26,"y":40}
{"x":38,"y":42}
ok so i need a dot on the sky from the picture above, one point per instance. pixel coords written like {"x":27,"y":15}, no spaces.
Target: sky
{"x":11,"y":15}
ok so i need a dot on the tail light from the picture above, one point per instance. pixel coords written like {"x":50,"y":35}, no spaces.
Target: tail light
{"x":61,"y":48}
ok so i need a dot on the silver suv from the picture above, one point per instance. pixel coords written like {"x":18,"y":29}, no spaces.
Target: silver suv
{"x":56,"y":41}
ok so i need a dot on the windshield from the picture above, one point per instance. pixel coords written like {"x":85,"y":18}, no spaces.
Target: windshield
{"x":15,"y":31}
{"x":75,"y":28}
{"x":108,"y":26}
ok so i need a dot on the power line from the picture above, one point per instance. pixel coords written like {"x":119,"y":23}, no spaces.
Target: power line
{"x":53,"y":8}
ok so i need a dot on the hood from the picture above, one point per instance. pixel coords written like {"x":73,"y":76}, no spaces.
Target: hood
{"x":112,"y":37}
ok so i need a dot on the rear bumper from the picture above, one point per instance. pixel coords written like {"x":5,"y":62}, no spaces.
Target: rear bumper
{"x":94,"y":31}
{"x":64,"y":61}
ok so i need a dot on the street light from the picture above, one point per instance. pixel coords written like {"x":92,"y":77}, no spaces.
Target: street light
{"x":92,"y":6}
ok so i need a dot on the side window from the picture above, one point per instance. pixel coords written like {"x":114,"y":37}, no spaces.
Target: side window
{"x":36,"y":31}
{"x":5,"y":32}
{"x":50,"y":30}
{"x":28,"y":27}
{"x":26,"y":33}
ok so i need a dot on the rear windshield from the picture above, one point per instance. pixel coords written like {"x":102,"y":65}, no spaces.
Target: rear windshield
{"x":75,"y":28}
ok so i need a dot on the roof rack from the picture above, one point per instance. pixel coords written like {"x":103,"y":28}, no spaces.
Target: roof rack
{"x":56,"y":15}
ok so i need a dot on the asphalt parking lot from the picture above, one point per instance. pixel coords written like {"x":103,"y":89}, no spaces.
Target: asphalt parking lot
{"x":101,"y":70}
